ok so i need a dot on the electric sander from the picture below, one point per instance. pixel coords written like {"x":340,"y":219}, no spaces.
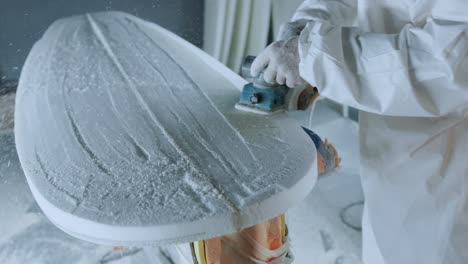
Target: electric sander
{"x":261,"y":97}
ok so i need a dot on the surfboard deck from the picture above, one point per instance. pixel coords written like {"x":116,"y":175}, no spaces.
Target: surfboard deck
{"x":128,"y":134}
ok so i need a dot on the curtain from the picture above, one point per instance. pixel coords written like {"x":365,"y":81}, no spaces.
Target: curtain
{"x":234,"y":29}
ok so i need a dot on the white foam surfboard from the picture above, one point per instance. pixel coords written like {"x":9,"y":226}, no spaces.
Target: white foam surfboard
{"x":128,"y":134}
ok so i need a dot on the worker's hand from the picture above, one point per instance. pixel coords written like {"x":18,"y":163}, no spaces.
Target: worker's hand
{"x":281,"y":60}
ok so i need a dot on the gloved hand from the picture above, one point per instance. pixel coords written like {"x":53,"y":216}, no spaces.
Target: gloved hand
{"x":281,"y":59}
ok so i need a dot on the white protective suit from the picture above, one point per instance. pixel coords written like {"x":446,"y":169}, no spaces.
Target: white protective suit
{"x":404,"y":63}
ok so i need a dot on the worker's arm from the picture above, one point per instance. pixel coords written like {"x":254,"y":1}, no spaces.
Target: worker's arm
{"x":421,"y":71}
{"x":281,"y":58}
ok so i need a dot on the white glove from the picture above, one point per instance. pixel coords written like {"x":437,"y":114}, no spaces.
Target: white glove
{"x":281,"y":59}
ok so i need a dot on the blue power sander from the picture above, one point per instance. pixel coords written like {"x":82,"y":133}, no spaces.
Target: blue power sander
{"x":261,"y":97}
{"x":258,"y":96}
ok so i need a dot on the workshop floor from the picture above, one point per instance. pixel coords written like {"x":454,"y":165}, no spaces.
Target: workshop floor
{"x":325,"y":228}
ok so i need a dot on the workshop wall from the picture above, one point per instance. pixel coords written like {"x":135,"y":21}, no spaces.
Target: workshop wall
{"x":22,"y":22}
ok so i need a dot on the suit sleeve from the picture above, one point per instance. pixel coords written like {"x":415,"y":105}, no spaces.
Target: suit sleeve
{"x":420,"y":71}
{"x":336,"y":12}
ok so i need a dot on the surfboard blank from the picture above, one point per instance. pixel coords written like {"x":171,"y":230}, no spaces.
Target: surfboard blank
{"x":128,"y":134}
